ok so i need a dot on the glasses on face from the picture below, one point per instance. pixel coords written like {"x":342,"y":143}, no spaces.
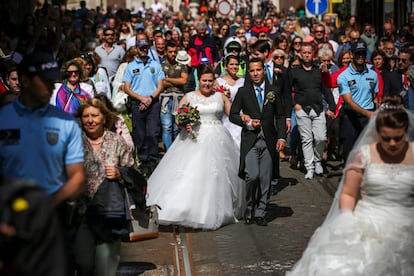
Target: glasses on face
{"x":360,"y":54}
{"x":258,"y":22}
{"x":111,"y":34}
{"x":278,"y":57}
{"x":402,"y":60}
{"x":297,"y":42}
{"x":241,"y":33}
{"x":325,"y":60}
{"x":86,"y":56}
{"x":236,"y":50}
{"x":74,"y":72}
{"x":395,"y":138}
{"x":144,"y":48}
{"x":319,"y":31}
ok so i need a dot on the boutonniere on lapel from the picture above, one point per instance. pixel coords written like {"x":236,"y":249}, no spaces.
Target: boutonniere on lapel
{"x":270,"y":97}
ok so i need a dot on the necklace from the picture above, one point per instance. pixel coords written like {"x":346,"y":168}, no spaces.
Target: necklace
{"x":95,"y":142}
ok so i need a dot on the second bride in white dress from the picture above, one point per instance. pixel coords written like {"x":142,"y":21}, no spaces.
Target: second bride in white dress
{"x":231,"y":81}
{"x":196,"y":183}
{"x":373,"y":231}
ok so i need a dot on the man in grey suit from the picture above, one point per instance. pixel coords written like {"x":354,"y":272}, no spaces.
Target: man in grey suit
{"x":258,"y":109}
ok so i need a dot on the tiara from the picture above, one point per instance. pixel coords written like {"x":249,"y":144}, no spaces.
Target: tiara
{"x":387,"y":106}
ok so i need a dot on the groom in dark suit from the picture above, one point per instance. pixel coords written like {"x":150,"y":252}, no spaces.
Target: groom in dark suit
{"x":258,"y":109}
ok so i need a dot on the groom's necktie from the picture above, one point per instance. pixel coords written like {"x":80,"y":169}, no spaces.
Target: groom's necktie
{"x":259,"y":95}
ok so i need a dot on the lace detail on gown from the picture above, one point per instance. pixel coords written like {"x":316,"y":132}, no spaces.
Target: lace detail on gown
{"x":196,"y":182}
{"x":377,"y":238}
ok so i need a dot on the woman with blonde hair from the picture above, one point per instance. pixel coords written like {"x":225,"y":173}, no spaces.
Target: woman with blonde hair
{"x":97,"y":245}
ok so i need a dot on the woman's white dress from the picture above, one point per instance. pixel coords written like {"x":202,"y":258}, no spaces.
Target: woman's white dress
{"x":234,"y":129}
{"x":196,"y":183}
{"x":377,"y":238}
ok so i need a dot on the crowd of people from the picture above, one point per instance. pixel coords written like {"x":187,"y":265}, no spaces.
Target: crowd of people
{"x":267,"y":87}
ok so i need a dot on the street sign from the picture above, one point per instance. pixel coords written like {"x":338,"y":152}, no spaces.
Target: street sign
{"x":317,"y":7}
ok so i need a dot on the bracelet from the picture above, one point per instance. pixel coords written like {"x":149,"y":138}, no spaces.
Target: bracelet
{"x":152,"y":97}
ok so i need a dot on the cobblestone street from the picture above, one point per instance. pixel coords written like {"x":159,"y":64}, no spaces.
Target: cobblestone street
{"x":297,"y":207}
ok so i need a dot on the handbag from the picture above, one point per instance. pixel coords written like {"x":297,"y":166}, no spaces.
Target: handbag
{"x":120,"y":100}
{"x":143,"y":224}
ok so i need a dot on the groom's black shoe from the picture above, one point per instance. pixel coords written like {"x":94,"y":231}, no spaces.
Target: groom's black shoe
{"x":260,"y":221}
{"x":248,"y":216}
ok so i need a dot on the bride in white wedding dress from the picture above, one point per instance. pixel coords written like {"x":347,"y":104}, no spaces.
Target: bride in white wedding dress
{"x":196,"y":183}
{"x":372,"y":232}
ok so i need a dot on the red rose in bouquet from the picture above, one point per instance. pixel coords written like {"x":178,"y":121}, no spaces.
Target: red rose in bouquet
{"x":222,"y":89}
{"x":188,"y":114}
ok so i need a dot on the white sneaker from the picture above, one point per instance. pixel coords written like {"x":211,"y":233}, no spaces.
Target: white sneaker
{"x":309,"y":175}
{"x":318,"y":168}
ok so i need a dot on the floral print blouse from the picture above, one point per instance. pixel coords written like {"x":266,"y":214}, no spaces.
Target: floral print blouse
{"x":113,"y":152}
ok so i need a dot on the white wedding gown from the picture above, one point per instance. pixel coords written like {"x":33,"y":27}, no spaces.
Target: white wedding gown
{"x":378,"y":238}
{"x":234,"y":129}
{"x":196,"y":183}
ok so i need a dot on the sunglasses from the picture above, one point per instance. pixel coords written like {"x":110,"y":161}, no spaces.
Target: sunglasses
{"x":72,"y":72}
{"x":325,"y":60}
{"x":319,"y":31}
{"x":395,"y":138}
{"x":279,"y":57}
{"x":297,"y":42}
{"x":403,"y":60}
{"x":112,"y":34}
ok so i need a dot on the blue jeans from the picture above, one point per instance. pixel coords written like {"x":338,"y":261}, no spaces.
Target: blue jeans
{"x":409,"y":99}
{"x":170,"y":129}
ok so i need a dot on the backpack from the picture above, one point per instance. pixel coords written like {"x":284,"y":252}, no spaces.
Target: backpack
{"x":31,"y":241}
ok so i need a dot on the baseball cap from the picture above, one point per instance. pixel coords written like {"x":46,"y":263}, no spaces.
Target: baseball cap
{"x":41,"y":63}
{"x":359,"y":46}
{"x":141,"y":43}
{"x":139,"y":26}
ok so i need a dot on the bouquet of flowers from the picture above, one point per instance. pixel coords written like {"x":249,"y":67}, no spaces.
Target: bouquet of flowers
{"x":222,"y":89}
{"x":188,"y":114}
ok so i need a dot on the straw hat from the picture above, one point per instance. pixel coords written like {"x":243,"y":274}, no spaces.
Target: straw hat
{"x":183,"y":57}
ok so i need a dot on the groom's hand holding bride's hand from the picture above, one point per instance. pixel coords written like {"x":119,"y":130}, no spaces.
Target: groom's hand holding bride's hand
{"x":255,"y":123}
{"x":245,"y":118}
